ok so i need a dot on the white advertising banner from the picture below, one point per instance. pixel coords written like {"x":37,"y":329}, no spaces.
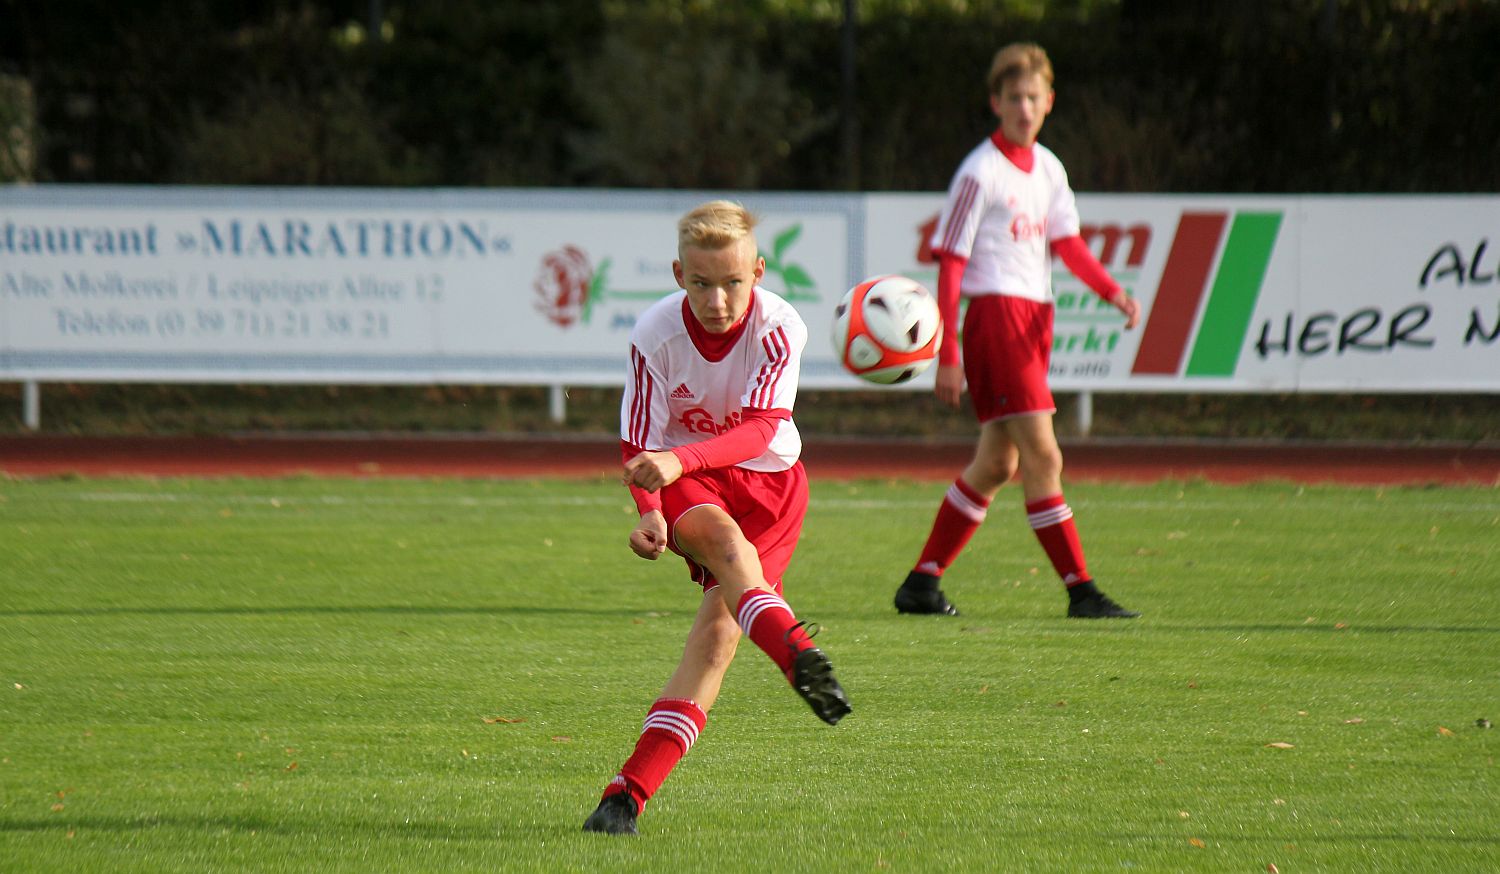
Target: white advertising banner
{"x":251,"y":285}
{"x":1258,"y":294}
{"x":1262,"y":294}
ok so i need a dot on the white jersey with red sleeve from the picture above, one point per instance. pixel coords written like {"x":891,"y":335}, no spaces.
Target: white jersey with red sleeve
{"x":675,"y":394}
{"x":1002,"y":218}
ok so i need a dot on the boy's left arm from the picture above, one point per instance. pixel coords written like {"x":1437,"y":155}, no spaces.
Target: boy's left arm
{"x":1082,"y":263}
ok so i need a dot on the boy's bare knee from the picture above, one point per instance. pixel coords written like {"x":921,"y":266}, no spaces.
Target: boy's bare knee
{"x":1047,"y":462}
{"x":726,"y":550}
{"x":1001,"y":470}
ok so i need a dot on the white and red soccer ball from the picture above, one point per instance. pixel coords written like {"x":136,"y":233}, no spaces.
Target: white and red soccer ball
{"x":887,"y":329}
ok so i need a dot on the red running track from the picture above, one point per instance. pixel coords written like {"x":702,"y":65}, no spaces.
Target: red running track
{"x":519,"y":456}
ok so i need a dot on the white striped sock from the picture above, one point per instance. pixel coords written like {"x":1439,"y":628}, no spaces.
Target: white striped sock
{"x":757,"y":604}
{"x":1050,"y":517}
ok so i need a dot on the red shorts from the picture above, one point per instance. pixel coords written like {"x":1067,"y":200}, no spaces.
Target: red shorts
{"x":1007,"y":350}
{"x":769,"y":508}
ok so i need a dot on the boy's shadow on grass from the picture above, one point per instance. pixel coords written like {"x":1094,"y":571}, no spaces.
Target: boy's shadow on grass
{"x":1015,"y":623}
{"x":403,"y":828}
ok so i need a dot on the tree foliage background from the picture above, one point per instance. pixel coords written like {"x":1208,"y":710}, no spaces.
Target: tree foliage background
{"x":1153,"y":95}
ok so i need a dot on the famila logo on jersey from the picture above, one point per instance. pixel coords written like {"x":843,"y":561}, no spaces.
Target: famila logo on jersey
{"x":700,"y":421}
{"x":567,"y":288}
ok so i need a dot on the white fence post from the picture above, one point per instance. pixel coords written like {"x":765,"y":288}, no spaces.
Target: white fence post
{"x":559,"y":404}
{"x":31,"y":405}
{"x":1085,"y":413}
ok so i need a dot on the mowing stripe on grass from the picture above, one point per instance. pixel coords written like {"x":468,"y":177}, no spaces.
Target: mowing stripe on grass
{"x":1360,"y":496}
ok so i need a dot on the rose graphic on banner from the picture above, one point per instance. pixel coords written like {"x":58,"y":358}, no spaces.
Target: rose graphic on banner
{"x":562,"y":285}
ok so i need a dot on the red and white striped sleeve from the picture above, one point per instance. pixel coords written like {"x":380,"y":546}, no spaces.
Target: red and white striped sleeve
{"x":643,"y":407}
{"x":958,"y":224}
{"x":776,"y":367}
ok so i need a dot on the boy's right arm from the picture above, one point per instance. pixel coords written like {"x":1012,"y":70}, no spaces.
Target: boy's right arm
{"x":649,"y":539}
{"x":950,"y":374}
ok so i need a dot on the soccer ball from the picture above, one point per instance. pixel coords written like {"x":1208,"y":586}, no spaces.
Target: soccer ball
{"x":887,"y":329}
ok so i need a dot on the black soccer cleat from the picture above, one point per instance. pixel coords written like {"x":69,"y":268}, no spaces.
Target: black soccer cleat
{"x":920,"y":594}
{"x":615,"y":815}
{"x":812,"y":677}
{"x":1097,"y":605}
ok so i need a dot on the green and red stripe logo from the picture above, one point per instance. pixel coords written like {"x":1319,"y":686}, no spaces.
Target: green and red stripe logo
{"x":1240,"y":249}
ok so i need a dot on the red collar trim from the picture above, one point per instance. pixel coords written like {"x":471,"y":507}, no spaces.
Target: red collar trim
{"x":714,"y":347}
{"x":1024,"y":157}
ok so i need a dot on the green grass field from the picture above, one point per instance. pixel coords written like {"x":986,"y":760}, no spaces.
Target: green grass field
{"x":347,"y":675}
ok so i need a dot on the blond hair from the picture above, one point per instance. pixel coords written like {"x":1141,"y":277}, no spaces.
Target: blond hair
{"x":1019,"y":59}
{"x":714,"y":225}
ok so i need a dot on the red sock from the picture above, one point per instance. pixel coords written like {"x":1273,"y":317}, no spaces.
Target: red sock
{"x":769,"y":622}
{"x":672,"y":724}
{"x":1052,"y":520}
{"x":960,"y":515}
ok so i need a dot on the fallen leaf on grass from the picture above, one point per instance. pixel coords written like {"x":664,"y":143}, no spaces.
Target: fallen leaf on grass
{"x":292,"y":766}
{"x":1272,"y":869}
{"x":1281,"y":745}
{"x":1183,"y":814}
{"x":1340,"y":626}
{"x":71,"y":833}
{"x":57,"y":808}
{"x":1192,"y":684}
{"x":1060,"y":703}
{"x":985,"y":688}
{"x":1197,"y":843}
{"x":1445,"y":731}
{"x":509,"y":720}
{"x":1353,"y":721}
{"x":561,"y":738}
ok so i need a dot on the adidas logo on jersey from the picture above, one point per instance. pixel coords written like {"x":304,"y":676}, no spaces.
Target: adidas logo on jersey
{"x":682,"y":393}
